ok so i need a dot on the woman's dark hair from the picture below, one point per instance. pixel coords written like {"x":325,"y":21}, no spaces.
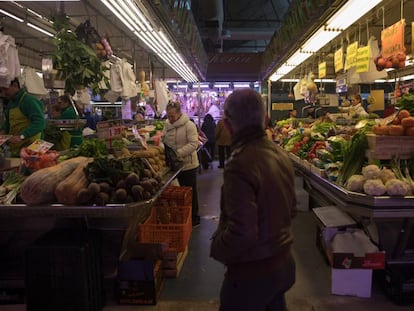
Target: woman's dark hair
{"x":208,"y":117}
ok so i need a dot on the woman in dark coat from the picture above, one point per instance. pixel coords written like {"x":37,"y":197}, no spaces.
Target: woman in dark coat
{"x":208,"y":128}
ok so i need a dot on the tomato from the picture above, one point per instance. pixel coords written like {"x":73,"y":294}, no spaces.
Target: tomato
{"x":395,"y":61}
{"x":403,"y":113}
{"x":401,"y":57}
{"x":381,"y":62}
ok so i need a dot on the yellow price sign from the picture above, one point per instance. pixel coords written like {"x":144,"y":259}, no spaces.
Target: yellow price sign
{"x":351,"y":55}
{"x":322,"y":70}
{"x":339,"y":60}
{"x":363,"y":59}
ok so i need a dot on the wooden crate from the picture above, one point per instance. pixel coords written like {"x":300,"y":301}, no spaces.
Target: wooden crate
{"x":385,"y":147}
{"x":173,"y":262}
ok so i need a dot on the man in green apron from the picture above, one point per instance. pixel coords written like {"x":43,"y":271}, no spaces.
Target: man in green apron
{"x":23,"y":117}
{"x":72,"y":137}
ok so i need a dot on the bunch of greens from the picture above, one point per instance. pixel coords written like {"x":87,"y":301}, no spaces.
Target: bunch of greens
{"x":354,"y":156}
{"x":76,"y":63}
{"x":406,"y":102}
{"x":93,"y":147}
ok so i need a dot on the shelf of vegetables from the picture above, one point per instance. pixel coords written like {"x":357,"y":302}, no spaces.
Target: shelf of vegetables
{"x":87,"y":189}
{"x":346,"y":166}
{"x":343,"y":159}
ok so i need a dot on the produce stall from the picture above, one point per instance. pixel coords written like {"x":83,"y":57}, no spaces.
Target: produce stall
{"x":22,"y":223}
{"x":381,"y":201}
{"x":371,"y":212}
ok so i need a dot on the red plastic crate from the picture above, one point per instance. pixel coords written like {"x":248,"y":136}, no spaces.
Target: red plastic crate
{"x":167,"y":224}
{"x":176,"y":196}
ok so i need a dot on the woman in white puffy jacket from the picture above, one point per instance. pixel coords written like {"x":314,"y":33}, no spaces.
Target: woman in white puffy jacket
{"x":181,"y":135}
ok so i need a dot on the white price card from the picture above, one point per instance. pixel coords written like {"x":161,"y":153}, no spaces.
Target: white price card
{"x":40,"y":146}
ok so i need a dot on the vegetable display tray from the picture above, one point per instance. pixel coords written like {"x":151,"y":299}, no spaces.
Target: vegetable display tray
{"x":338,"y":193}
{"x":139,"y":209}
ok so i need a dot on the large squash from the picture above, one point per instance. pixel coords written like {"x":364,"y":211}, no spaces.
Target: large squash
{"x":66,"y":191}
{"x":39,"y":187}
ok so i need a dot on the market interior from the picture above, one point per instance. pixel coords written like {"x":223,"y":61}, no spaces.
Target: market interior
{"x":306,"y":60}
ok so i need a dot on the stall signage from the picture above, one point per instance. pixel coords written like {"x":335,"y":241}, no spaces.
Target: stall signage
{"x":339,"y":60}
{"x":392,"y":39}
{"x":282,"y":106}
{"x":363,"y":59}
{"x":322,"y":70}
{"x":351,"y":55}
{"x":341,"y":86}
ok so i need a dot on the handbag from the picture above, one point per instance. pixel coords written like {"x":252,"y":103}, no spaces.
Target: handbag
{"x":171,"y":158}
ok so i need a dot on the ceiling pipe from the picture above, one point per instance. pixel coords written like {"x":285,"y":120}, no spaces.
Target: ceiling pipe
{"x":238,"y":34}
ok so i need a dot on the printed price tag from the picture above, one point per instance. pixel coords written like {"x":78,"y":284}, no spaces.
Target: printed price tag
{"x":40,"y":146}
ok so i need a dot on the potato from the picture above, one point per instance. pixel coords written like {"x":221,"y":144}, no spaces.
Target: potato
{"x":132,"y":179}
{"x":94,"y":188}
{"x":121,"y":195}
{"x":85,"y":196}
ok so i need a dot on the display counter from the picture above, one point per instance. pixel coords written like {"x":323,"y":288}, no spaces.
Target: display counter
{"x":21,"y":225}
{"x":388,"y":220}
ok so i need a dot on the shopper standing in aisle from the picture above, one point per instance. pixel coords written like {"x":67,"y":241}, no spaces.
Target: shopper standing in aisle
{"x":254,"y":236}
{"x":223,"y":140}
{"x":24,"y":117}
{"x":181,"y":135}
{"x":208,"y":127}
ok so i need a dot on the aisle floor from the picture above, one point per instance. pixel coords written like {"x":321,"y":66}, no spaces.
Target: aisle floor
{"x":198,"y":285}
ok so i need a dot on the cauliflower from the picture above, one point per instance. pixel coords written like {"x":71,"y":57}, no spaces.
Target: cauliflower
{"x":355,"y":183}
{"x":386,"y":174}
{"x":371,"y":171}
{"x":396,"y":187}
{"x":374,"y":187}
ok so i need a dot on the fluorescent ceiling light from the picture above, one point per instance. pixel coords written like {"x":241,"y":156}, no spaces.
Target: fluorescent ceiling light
{"x":34,"y":13}
{"x":129,"y":13}
{"x":318,"y":40}
{"x":241,"y":85}
{"x":11,"y":16}
{"x":349,"y":13}
{"x":289,"y":80}
{"x":221,"y":85}
{"x":297,"y":58}
{"x":40,"y":29}
{"x":325,"y":80}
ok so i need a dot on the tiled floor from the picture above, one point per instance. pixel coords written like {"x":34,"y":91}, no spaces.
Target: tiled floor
{"x":198,"y":285}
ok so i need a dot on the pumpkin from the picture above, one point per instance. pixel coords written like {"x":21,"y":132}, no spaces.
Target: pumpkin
{"x":39,"y":187}
{"x":66,"y":191}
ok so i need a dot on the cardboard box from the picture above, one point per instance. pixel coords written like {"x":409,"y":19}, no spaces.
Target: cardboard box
{"x":352,"y":282}
{"x":374,"y":261}
{"x":139,"y":282}
{"x":351,"y":275}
